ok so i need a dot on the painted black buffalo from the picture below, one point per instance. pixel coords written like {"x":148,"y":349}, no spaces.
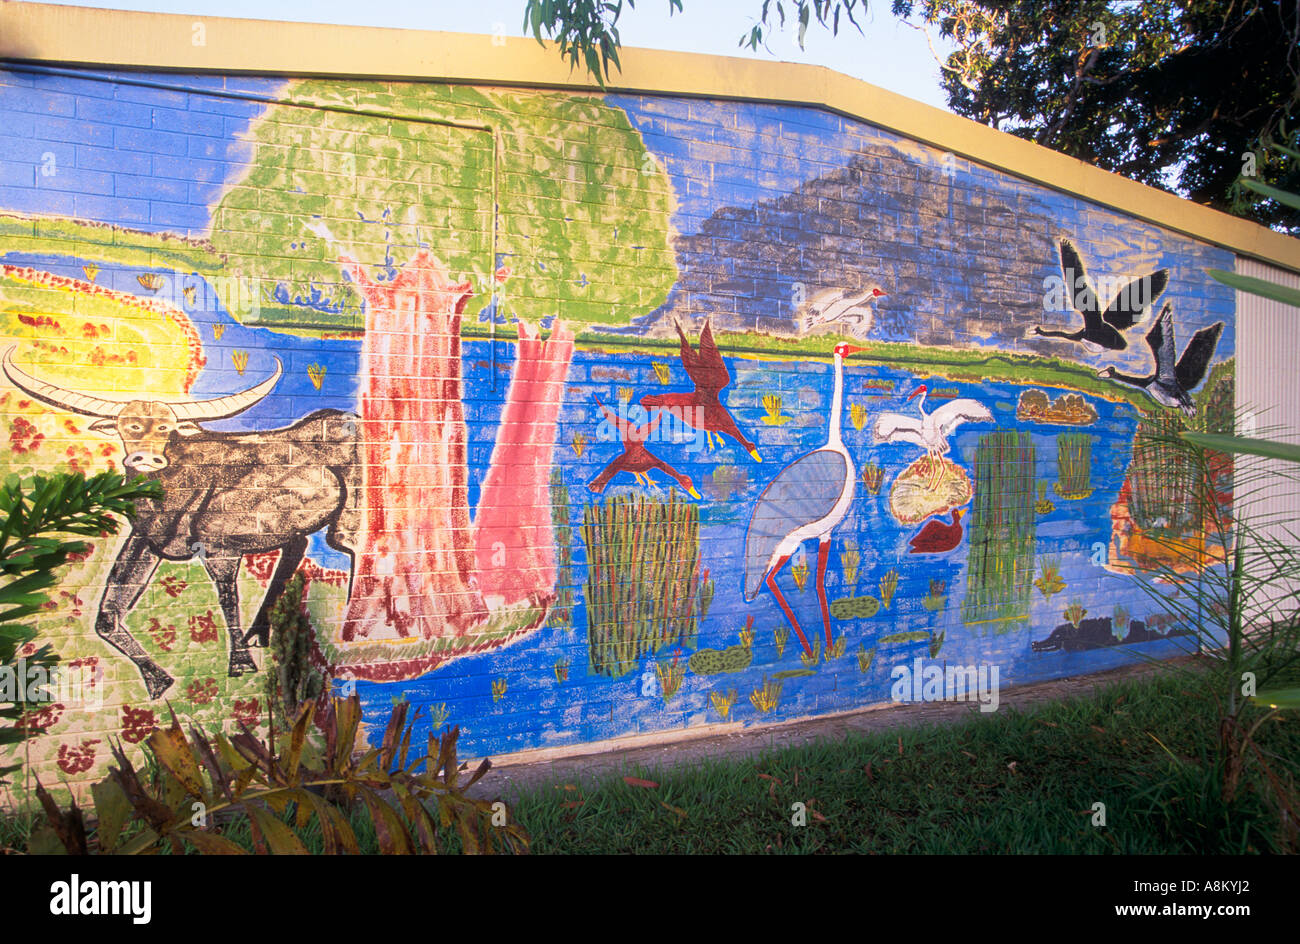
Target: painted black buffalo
{"x":224,"y":495}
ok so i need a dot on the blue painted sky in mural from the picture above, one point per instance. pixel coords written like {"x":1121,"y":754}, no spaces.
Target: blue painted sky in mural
{"x":146,"y":158}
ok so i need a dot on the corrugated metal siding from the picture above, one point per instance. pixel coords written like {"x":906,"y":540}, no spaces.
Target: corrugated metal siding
{"x":1268,"y":387}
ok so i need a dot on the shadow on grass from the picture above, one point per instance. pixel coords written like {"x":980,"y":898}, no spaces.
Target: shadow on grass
{"x":1015,"y":782}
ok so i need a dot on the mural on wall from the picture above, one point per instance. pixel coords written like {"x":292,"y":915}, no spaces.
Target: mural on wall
{"x":576,"y":411}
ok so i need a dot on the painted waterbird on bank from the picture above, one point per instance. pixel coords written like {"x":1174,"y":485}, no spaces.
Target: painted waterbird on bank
{"x":807,"y":499}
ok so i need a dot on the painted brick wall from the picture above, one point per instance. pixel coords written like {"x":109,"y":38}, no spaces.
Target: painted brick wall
{"x":520,"y":498}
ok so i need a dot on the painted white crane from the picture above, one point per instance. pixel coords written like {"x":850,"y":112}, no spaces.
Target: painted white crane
{"x":930,"y":431}
{"x":836,"y":308}
{"x":807,"y":499}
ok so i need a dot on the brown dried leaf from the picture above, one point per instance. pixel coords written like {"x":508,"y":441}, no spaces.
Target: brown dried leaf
{"x":389,"y":829}
{"x":68,"y":826}
{"x":212,"y":843}
{"x":280,"y":838}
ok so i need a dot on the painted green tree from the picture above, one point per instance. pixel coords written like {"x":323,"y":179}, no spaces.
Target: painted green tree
{"x":375,"y":171}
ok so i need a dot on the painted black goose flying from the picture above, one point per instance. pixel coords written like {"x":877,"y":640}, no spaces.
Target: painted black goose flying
{"x":1171,"y":385}
{"x":1104,"y":328}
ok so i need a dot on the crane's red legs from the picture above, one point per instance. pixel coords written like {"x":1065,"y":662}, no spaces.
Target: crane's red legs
{"x":785,"y":607}
{"x":823,"y":554}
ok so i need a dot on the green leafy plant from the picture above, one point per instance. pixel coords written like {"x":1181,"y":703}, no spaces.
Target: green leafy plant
{"x":36,"y":517}
{"x":208,"y":789}
{"x":587,"y":30}
{"x":1237,"y":577}
{"x":292,"y":680}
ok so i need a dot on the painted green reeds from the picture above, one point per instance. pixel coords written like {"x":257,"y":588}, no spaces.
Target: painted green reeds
{"x":670,"y":675}
{"x":1163,"y":476}
{"x":561,"y":670}
{"x":1050,"y":582}
{"x":858,"y":413}
{"x":779,"y":637}
{"x":865,"y":658}
{"x":747,"y":634}
{"x":1074,"y":465}
{"x":705,"y":593}
{"x":1074,"y":613}
{"x":872,"y":476}
{"x":1000,"y":573}
{"x":498,"y":689}
{"x":1044,"y":504}
{"x":934,"y":601}
{"x":562,"y":610}
{"x":888,"y":584}
{"x":722,"y":702}
{"x":643,"y":575}
{"x":810,"y":660}
{"x":849,"y":560}
{"x":799,"y":571}
{"x":768,"y":696}
{"x":438,"y":716}
{"x":1120,"y":621}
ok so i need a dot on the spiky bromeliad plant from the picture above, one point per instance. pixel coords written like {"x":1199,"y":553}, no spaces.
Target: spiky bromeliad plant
{"x":208,"y":790}
{"x":37,"y":515}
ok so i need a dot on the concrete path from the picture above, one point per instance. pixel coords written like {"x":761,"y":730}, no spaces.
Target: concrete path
{"x":509,"y":777}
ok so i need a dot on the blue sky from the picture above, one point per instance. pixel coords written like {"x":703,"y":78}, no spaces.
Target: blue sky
{"x":887,"y":53}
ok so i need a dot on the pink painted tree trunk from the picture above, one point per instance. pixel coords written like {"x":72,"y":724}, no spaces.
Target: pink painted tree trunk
{"x":415,"y":556}
{"x":514,"y":539}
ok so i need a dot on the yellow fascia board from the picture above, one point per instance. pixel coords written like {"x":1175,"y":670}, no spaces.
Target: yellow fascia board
{"x":81,"y":36}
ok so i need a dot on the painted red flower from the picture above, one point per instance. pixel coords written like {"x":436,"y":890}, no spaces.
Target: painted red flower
{"x":203,"y":628}
{"x":76,"y":760}
{"x":41,"y":719}
{"x":203,"y":691}
{"x":164,"y":636}
{"x":261,"y":565}
{"x":24,"y":436}
{"x":137,"y":724}
{"x":248,"y":711}
{"x":91,"y":673}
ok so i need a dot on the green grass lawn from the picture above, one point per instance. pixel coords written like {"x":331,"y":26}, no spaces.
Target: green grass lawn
{"x":1010,"y":782}
{"x":1013,"y":782}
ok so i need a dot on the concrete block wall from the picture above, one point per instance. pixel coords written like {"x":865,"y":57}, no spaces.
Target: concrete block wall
{"x":537,"y":464}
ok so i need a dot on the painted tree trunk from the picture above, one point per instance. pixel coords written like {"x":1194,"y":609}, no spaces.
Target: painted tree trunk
{"x":514,"y":532}
{"x":415,"y":555}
